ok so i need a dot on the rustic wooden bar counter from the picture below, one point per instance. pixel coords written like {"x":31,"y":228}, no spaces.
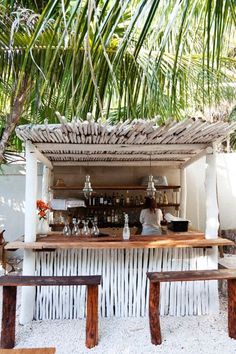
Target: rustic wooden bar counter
{"x":170,"y":240}
{"x":123,"y":266}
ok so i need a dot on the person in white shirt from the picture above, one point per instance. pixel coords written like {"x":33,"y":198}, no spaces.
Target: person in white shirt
{"x":150,"y":218}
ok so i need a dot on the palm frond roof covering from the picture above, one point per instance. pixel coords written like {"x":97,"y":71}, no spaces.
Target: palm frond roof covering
{"x":133,"y":142}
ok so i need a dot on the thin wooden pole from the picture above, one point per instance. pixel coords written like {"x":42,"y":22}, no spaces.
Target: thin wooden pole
{"x":8,"y":317}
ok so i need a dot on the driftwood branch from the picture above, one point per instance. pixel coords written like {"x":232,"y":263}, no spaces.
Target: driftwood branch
{"x":14,"y":116}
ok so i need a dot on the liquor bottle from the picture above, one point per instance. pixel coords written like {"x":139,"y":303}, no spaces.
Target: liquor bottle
{"x":116,"y":217}
{"x":101,"y":199}
{"x":160,"y":198}
{"x":136,"y":200}
{"x":165,"y":198}
{"x":109,"y":200}
{"x":94,"y":200}
{"x":97,"y":200}
{"x":105,"y":199}
{"x":117,"y":199}
{"x":141,"y":202}
{"x":104,"y":221}
{"x":122,"y":200}
{"x":113,"y":199}
{"x":127,"y":199}
{"x":109,"y":217}
{"x":113,"y":216}
{"x":131,"y":200}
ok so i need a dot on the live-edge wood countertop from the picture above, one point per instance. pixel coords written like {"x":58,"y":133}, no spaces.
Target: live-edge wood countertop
{"x":170,"y":240}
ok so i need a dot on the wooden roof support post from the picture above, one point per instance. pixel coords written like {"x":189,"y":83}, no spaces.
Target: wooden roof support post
{"x":46,"y":181}
{"x":28,"y":293}
{"x":212,"y":223}
{"x":183,"y":195}
{"x":212,"y":210}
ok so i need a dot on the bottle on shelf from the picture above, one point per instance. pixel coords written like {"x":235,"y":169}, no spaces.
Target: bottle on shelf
{"x":101,"y":200}
{"x":136,"y":201}
{"x":160,"y":201}
{"x":141,"y":202}
{"x":94,"y":200}
{"x":165,"y":198}
{"x":131,"y":201}
{"x":109,"y":200}
{"x":122,"y":200}
{"x":117,"y":199}
{"x":113,"y":199}
{"x":97,"y":200}
{"x":109,"y":217}
{"x":113,"y":216}
{"x":116,"y":217}
{"x":105,"y":200}
{"x":127,"y":199}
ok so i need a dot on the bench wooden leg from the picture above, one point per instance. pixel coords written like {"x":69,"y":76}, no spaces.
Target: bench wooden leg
{"x":8,"y":317}
{"x":154,"y":318}
{"x":232,"y":308}
{"x":92,"y":316}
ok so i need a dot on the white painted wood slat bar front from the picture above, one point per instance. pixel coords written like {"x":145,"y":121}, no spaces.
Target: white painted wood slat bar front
{"x":124,"y":292}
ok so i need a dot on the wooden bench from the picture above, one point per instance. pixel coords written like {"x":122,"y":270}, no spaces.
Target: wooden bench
{"x":10,"y":283}
{"x":29,"y":351}
{"x":154,"y":295}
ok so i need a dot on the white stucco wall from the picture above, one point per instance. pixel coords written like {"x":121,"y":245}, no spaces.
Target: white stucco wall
{"x":12,"y":199}
{"x":226,"y":188}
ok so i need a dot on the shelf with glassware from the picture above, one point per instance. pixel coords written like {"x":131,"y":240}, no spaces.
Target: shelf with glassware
{"x":105,"y":210}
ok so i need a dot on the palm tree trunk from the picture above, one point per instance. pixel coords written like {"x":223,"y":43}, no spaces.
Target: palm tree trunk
{"x":14,"y":116}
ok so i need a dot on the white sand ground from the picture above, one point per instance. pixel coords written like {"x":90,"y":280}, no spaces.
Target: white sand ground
{"x":181,"y":335}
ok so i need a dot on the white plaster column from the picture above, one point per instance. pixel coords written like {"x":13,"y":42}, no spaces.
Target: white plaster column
{"x":28,"y":293}
{"x":46,"y":180}
{"x":212,"y":210}
{"x":46,"y":194}
{"x":183,"y":196}
{"x":212,"y":224}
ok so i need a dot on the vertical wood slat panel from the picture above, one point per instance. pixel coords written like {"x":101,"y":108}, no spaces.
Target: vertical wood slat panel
{"x":125,"y":288}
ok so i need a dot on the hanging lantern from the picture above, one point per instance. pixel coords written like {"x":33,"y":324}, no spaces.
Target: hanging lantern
{"x":88,"y":190}
{"x":151,"y":190}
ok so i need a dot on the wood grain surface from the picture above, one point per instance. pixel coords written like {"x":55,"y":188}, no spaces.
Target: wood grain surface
{"x":232,"y":308}
{"x":215,"y":274}
{"x":8,"y":317}
{"x":29,"y":351}
{"x":27,"y":280}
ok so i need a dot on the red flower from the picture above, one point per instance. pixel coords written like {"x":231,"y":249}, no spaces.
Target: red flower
{"x":42,"y":208}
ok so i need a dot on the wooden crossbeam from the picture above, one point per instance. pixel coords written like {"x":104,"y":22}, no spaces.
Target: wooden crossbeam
{"x":171,"y":164}
{"x":119,"y":147}
{"x":118,"y":156}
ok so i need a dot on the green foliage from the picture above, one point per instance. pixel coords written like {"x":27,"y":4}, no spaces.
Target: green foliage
{"x":117,"y":59}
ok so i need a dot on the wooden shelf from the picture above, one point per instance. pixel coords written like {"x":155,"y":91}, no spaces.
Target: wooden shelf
{"x":110,"y":188}
{"x":97,"y":207}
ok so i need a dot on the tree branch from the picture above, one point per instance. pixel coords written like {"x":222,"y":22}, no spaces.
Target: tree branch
{"x":14,"y":116}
